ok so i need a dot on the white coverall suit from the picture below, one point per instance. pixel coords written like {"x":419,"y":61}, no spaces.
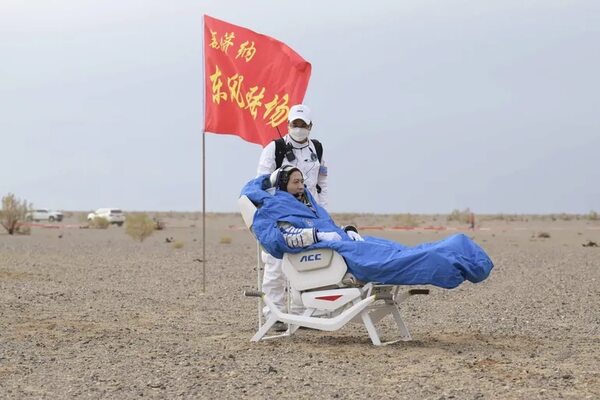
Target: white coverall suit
{"x":315,"y":173}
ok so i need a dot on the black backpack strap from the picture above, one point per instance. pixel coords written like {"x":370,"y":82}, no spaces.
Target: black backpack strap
{"x":318,"y":148}
{"x":279,"y":152}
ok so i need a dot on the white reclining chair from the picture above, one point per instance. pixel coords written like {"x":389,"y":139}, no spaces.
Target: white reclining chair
{"x":315,"y":277}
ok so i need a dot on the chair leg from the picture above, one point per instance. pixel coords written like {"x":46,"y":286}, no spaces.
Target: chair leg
{"x":265,"y":328}
{"x":372,"y":316}
{"x":274,"y":316}
{"x":404,"y":333}
{"x":307,"y":313}
{"x":370,"y":327}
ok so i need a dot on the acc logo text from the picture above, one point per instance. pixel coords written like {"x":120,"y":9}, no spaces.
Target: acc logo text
{"x":311,"y":257}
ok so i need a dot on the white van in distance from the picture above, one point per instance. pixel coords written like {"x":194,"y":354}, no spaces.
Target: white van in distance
{"x":112,"y":215}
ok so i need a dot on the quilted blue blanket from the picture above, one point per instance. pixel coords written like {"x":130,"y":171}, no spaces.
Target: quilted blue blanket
{"x":446,"y":263}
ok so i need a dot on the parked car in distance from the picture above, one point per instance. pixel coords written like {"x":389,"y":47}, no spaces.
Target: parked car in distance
{"x":43,"y":214}
{"x":112,"y":215}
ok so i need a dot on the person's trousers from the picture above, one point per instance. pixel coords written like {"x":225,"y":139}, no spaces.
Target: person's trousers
{"x":274,"y":285}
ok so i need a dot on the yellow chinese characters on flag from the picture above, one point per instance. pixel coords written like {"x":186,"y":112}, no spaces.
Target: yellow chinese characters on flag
{"x":251,"y":81}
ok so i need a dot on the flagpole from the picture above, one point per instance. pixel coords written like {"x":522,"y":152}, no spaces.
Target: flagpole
{"x":203,"y":212}
{"x":203,"y":167}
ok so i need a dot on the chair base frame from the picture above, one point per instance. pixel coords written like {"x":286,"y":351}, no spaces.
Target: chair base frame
{"x":368,"y":309}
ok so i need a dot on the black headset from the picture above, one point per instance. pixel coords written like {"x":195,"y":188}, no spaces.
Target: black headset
{"x":283,"y":176}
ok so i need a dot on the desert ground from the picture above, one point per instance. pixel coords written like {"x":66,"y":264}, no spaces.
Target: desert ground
{"x":91,"y":313}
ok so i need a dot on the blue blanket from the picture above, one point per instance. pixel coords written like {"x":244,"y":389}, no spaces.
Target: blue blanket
{"x":446,"y":263}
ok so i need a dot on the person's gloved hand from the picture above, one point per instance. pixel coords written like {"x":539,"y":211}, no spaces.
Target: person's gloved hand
{"x":355,"y":236}
{"x":328,"y":236}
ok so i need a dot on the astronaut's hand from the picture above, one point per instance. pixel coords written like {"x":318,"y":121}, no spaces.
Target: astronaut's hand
{"x":355,"y":236}
{"x":328,"y":236}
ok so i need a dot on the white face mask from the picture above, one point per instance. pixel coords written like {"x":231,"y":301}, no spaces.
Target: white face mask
{"x":299,"y":134}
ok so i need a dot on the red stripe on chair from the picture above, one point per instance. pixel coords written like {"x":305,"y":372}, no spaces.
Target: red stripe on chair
{"x":332,"y":297}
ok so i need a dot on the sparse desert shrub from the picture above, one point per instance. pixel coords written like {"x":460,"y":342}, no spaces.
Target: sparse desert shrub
{"x":593,"y":216}
{"x":565,"y":217}
{"x":460,"y":216}
{"x":544,"y":235}
{"x":99,"y":223}
{"x":13,"y":211}
{"x":139,"y":226}
{"x":178,"y":244}
{"x":407,"y":220}
{"x":503,"y":217}
{"x":225,"y":240}
{"x":561,"y":217}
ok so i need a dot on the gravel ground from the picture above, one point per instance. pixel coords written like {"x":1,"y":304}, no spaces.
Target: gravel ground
{"x":93,"y":314}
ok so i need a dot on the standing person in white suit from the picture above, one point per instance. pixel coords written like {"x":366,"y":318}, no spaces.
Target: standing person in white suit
{"x":306,"y":154}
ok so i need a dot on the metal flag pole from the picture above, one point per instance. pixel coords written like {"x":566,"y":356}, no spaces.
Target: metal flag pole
{"x":203,"y":213}
{"x":203,"y":105}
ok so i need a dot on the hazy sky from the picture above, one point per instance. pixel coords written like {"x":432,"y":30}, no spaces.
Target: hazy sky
{"x":422,"y":106}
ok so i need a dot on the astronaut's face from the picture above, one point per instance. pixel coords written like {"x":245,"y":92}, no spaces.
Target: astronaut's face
{"x":295,"y":185}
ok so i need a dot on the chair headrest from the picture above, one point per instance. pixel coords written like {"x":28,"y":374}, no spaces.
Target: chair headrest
{"x":247,"y":209}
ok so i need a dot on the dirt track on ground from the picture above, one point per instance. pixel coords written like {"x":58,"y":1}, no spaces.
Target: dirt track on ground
{"x":94,"y":314}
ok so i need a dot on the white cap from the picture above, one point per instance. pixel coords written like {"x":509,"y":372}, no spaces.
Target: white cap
{"x":300,"y":111}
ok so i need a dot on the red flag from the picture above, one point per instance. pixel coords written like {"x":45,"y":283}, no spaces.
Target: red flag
{"x":251,"y":81}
